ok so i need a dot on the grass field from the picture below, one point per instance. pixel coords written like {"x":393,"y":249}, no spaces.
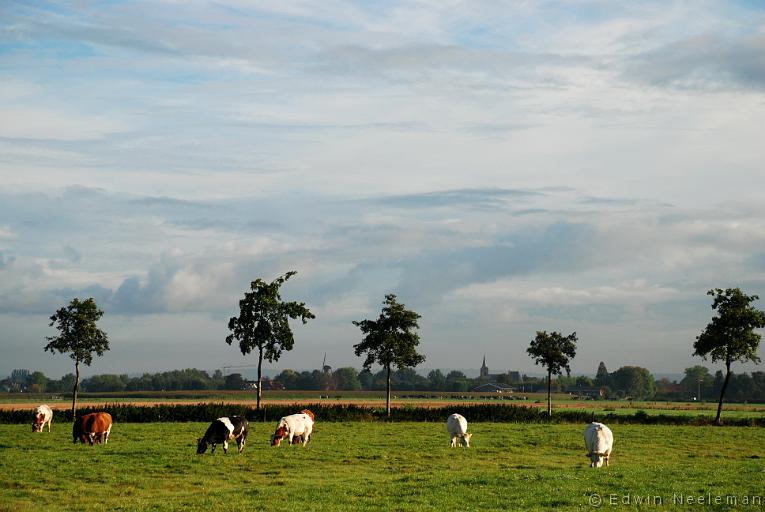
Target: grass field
{"x":381,"y":466}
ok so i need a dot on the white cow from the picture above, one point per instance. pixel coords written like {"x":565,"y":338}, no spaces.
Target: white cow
{"x":456,"y":425}
{"x":294,"y":425}
{"x":42,"y":415}
{"x":599,"y":441}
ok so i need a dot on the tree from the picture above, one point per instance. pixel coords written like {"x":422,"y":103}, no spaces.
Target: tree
{"x":79,"y":336}
{"x":367,"y":379}
{"x":234,"y":381}
{"x":456,"y":381}
{"x":584,"y":382}
{"x":730,"y":335}
{"x":390,"y":340}
{"x":696,"y":378}
{"x":287,"y":378}
{"x":37,"y":382}
{"x":553,"y":351}
{"x":347,"y":379}
{"x":108,"y":382}
{"x":437,"y":380}
{"x":601,"y":378}
{"x":263,"y":323}
{"x":636,"y":382}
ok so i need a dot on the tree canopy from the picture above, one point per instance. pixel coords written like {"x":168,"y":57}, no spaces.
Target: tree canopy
{"x":730,"y":336}
{"x":636,"y":382}
{"x":79,"y":336}
{"x":390,"y":340}
{"x":553,"y":351}
{"x":263,"y":322}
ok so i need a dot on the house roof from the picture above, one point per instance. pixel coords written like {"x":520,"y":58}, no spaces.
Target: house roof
{"x":493,"y":386}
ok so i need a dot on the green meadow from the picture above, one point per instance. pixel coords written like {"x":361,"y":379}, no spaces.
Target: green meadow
{"x":384,"y":466}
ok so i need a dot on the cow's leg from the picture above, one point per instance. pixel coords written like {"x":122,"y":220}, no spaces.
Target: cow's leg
{"x":213,"y":448}
{"x":225,"y":446}
{"x":240,"y":444}
{"x":453,"y":441}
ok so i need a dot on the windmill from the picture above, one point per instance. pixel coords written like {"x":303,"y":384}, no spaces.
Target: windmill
{"x":324,"y":366}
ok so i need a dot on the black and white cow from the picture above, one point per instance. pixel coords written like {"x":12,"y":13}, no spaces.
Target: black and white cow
{"x":224,"y":430}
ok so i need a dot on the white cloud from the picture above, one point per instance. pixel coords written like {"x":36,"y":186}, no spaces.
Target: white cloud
{"x":41,"y":124}
{"x":503,"y":166}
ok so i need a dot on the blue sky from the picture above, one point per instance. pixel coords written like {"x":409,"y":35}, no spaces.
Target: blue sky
{"x":503,"y":167}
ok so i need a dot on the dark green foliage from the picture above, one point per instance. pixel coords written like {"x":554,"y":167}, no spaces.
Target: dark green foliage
{"x":391,"y":340}
{"x":263,"y":322}
{"x":730,"y":336}
{"x":348,"y":412}
{"x":346,"y":379}
{"x":78,"y":336}
{"x":553,"y":351}
{"x":602,"y":377}
{"x":635,"y":382}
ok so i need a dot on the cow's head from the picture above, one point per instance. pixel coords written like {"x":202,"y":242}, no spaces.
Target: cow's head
{"x":596,"y":459}
{"x":466,"y":439}
{"x":280,"y":434}
{"x":38,"y":423}
{"x":201,"y":446}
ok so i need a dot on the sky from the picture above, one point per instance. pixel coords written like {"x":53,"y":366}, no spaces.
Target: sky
{"x":503,"y":167}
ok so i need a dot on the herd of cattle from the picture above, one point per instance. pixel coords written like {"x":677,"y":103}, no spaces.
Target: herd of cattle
{"x":295,"y":428}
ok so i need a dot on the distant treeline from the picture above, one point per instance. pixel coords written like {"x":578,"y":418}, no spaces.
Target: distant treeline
{"x":122,"y":413}
{"x":630,"y":382}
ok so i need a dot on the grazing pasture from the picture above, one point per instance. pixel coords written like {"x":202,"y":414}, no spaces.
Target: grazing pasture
{"x":380,"y":466}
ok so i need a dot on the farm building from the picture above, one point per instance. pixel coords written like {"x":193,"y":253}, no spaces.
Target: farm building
{"x":494,"y":387}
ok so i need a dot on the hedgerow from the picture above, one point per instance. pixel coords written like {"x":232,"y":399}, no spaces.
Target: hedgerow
{"x":500,"y":413}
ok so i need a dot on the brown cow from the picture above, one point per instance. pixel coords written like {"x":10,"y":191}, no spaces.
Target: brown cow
{"x":92,"y":427}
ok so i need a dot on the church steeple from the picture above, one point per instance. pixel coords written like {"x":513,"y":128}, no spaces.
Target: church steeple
{"x":484,"y":368}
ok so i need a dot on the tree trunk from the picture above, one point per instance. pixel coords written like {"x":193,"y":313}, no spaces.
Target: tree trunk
{"x":387,"y":393}
{"x":76,"y":388}
{"x":549,"y":394}
{"x":260,"y":382}
{"x":722,"y":391}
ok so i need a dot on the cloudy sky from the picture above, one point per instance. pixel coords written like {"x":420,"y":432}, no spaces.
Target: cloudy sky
{"x":503,"y":167}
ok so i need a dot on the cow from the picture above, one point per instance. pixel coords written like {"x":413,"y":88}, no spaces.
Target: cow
{"x":93,"y":427}
{"x":42,"y":415}
{"x":223,"y":430}
{"x":294,"y":426}
{"x":599,"y":441}
{"x":456,"y":425}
